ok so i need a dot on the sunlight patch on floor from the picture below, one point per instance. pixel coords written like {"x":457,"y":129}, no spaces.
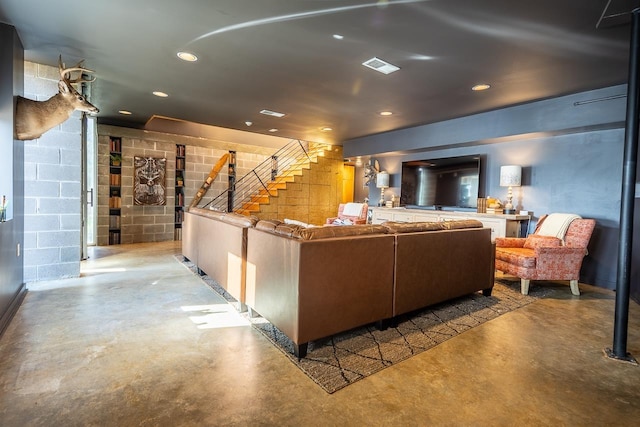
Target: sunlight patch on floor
{"x":102,"y":270}
{"x":215,"y":316}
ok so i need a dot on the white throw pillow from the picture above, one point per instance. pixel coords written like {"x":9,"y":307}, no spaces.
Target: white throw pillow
{"x":352,"y":209}
{"x":296,"y":222}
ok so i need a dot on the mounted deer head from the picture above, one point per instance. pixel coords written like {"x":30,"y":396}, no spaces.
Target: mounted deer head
{"x":33,"y":118}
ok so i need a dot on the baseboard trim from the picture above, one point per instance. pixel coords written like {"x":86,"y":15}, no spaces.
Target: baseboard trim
{"x":13,"y":308}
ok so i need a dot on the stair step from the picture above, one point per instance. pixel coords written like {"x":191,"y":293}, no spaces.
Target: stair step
{"x":287,"y":178}
{"x":260,"y":198}
{"x":250,"y":207}
{"x":277,"y":186}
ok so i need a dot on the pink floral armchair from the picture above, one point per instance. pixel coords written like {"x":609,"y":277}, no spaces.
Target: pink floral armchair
{"x":538,"y":257}
{"x":350,"y":213}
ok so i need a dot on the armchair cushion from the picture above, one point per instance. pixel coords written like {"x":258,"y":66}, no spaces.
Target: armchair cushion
{"x":510,"y":242}
{"x":520,"y":257}
{"x":535,"y":240}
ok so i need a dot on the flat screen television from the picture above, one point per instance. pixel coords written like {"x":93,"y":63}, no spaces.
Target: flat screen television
{"x":453,"y":182}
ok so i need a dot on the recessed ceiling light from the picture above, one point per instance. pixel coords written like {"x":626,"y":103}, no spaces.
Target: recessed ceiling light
{"x":273,"y":130}
{"x":272,"y":113}
{"x":381,"y":66}
{"x":248,"y":123}
{"x":187,"y":56}
{"x":326,"y":129}
{"x":338,"y":36}
{"x":125,"y":112}
{"x":386,"y":113}
{"x":482,"y":86}
{"x":160,"y":94}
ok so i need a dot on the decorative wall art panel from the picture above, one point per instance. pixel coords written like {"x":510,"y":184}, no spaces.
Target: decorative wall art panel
{"x":149,"y":183}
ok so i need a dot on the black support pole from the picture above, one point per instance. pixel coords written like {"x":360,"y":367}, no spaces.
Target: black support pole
{"x":621,"y":324}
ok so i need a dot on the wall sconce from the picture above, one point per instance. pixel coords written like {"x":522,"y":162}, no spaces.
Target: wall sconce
{"x":382,"y":182}
{"x":510,"y":176}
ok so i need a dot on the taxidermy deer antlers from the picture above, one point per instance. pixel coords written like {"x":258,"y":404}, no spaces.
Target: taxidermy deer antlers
{"x":33,"y":118}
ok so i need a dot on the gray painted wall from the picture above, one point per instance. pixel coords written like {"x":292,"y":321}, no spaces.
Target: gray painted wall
{"x":571,"y":156}
{"x":11,"y":232}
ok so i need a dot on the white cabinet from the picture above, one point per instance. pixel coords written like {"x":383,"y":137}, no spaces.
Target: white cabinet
{"x":381,"y":216}
{"x":403,"y":217}
{"x":500,"y":225}
{"x":426,"y":217}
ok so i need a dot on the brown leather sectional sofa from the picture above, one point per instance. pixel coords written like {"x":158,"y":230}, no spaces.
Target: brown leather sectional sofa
{"x":217,"y":243}
{"x":311,"y":289}
{"x":315,"y":282}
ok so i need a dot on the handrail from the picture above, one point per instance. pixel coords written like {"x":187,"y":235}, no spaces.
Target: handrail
{"x":265,"y":177}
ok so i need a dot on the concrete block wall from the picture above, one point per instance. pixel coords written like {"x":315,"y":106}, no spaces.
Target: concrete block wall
{"x":156,"y":223}
{"x":200,"y":161}
{"x":52,"y":173}
{"x":138,"y":224}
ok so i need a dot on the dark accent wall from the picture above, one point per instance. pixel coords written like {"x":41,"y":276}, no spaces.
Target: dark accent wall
{"x":12,"y":286}
{"x":570,"y":149}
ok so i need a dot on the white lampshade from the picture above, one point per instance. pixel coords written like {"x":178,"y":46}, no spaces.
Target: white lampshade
{"x":510,"y":176}
{"x":382,"y":179}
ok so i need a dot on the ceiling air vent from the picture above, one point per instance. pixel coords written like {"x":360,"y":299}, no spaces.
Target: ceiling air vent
{"x":380,"y":65}
{"x":272,"y":113}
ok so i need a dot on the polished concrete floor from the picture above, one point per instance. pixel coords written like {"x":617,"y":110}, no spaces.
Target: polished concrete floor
{"x":139,"y":341}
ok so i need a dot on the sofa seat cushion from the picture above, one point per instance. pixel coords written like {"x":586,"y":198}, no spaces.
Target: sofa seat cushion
{"x":522,"y":257}
{"x":345,"y":230}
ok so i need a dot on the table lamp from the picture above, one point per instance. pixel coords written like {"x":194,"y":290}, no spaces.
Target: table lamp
{"x":382,"y":182}
{"x":510,"y":176}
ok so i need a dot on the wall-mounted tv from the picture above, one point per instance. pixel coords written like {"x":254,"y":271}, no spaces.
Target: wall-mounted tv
{"x":453,"y":182}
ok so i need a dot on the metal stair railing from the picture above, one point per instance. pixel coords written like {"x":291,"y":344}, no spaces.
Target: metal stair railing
{"x":266,"y":178}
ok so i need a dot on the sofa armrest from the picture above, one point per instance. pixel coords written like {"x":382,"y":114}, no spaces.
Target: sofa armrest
{"x":560,"y":252}
{"x":510,"y":242}
{"x":562,"y":261}
{"x":330,"y":220}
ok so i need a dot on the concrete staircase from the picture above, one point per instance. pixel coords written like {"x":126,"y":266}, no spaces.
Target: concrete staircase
{"x":302,"y":181}
{"x":292,"y":173}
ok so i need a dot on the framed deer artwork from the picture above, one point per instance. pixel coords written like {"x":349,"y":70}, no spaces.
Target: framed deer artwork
{"x":149,"y":181}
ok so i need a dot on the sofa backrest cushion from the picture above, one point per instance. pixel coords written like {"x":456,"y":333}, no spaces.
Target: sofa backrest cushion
{"x":338,"y":231}
{"x":268,"y":224}
{"x":412,"y":227}
{"x":287,"y":229}
{"x":462,"y":223}
{"x":228,"y":217}
{"x":239,"y":220}
{"x":207,"y":213}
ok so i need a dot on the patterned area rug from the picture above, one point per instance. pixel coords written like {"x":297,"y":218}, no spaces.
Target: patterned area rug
{"x":337,"y":361}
